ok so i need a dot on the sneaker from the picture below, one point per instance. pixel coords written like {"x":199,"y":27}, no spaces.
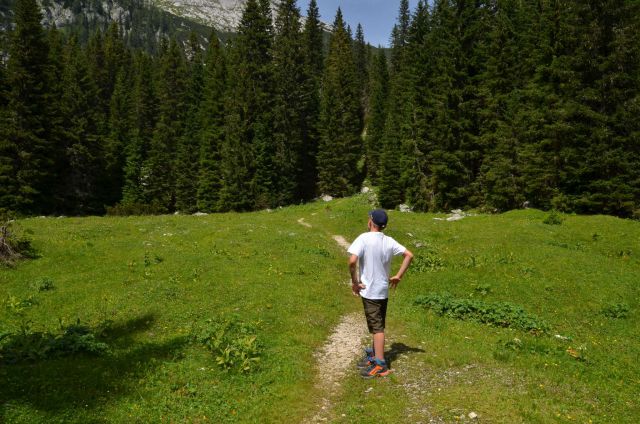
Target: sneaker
{"x":377,"y":369}
{"x":367,"y":359}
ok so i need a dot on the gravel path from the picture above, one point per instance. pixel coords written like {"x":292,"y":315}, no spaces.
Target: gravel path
{"x":341,"y":348}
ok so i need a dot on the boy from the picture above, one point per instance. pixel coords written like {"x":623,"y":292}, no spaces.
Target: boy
{"x":375,"y":250}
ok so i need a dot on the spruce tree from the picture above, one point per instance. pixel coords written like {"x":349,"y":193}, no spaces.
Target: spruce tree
{"x":289,"y":82}
{"x":212,"y":134}
{"x":116,"y":97}
{"x":121,"y":132}
{"x":159,"y":188}
{"x":397,"y":130}
{"x":248,"y":166}
{"x":313,"y":50}
{"x":145,"y":115}
{"x":26,"y":161}
{"x":82,"y":143}
{"x":416,"y":148}
{"x":361,"y":59}
{"x":56,"y":117}
{"x":601,"y":177}
{"x":340,"y":147}
{"x":8,"y":151}
{"x":512,"y":59}
{"x":188,"y":151}
{"x":379,"y":92}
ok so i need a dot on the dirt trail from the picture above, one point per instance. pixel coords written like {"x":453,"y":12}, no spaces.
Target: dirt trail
{"x":341,"y":348}
{"x":344,"y":344}
{"x":306,"y":224}
{"x":342,"y":242}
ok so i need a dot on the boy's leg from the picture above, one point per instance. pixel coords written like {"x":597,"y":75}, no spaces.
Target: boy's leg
{"x":376,"y":314}
{"x":378,"y":345}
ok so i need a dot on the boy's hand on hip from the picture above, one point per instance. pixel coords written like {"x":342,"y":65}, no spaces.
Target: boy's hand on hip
{"x":356,"y":287}
{"x":394,"y":281}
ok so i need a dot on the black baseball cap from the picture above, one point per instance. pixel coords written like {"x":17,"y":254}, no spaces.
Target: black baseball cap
{"x":379,"y":217}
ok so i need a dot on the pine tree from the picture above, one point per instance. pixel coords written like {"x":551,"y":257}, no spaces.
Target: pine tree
{"x":397,"y":131}
{"x":379,"y":93}
{"x":56,"y":118}
{"x":289,"y":82}
{"x":25,"y":162}
{"x":361,"y":59}
{"x":119,"y":115}
{"x":601,"y":177}
{"x":619,"y":172}
{"x":417,"y":173}
{"x":212,"y":134}
{"x":121,"y":132}
{"x":187,"y":163}
{"x":513,"y":56}
{"x":8,"y":151}
{"x":145,"y":115}
{"x":83,"y":148}
{"x":546,"y":109}
{"x":266,"y":171}
{"x":340,"y":147}
{"x":313,"y":50}
{"x":159,"y":187}
{"x":247,"y":155}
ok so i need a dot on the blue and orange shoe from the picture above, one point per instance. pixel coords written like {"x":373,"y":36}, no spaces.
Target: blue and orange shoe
{"x":367,"y":359}
{"x":377,"y":369}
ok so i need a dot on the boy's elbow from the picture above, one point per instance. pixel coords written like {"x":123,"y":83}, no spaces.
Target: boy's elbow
{"x":408,"y":254}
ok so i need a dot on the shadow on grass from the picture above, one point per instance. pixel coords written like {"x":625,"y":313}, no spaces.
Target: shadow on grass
{"x":398,"y":349}
{"x":68,"y":384}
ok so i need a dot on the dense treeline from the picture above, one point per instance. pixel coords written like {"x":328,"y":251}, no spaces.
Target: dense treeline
{"x":479,"y":104}
{"x":498,"y":103}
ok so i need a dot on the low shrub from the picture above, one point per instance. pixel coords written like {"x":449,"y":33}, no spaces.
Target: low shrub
{"x":554,"y":218}
{"x":29,"y":345}
{"x":500,"y":314}
{"x":426,"y":263}
{"x":13,"y":245}
{"x":616,"y":310}
{"x":44,"y":284}
{"x":233,"y":343}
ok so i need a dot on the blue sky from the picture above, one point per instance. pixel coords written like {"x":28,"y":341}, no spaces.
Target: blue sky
{"x":376,"y":16}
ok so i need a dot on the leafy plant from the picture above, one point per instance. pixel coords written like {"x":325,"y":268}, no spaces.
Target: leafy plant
{"x":554,"y":218}
{"x":616,"y":310}
{"x":29,"y":345}
{"x":501,"y":314}
{"x":482,"y":289}
{"x":427,"y":263}
{"x":17,"y":306}
{"x":44,"y":284}
{"x":233,"y":343}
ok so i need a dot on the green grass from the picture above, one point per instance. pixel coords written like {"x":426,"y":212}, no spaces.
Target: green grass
{"x":145,"y":283}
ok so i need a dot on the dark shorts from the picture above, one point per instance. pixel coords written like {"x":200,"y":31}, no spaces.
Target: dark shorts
{"x":375,"y":310}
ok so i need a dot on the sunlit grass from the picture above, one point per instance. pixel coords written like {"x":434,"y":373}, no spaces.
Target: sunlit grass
{"x":152,"y":279}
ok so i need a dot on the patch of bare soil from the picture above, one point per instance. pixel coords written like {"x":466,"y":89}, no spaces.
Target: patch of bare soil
{"x":344,"y":344}
{"x":305,"y":224}
{"x":342,"y":242}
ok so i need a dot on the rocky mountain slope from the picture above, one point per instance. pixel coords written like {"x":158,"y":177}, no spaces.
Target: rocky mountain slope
{"x":223,"y":15}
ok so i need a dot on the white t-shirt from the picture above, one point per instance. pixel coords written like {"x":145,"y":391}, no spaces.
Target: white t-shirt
{"x":375,"y":251}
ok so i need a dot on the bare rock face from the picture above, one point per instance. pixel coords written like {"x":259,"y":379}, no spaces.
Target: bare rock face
{"x":223,"y":15}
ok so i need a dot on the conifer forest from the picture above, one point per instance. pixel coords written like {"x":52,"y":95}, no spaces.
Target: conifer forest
{"x":488,"y":104}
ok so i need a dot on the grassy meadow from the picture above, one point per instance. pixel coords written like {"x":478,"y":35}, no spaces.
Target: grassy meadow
{"x":146,"y":288}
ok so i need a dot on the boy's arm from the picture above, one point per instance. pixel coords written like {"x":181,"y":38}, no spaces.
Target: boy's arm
{"x":356,"y":285}
{"x":407,"y":257}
